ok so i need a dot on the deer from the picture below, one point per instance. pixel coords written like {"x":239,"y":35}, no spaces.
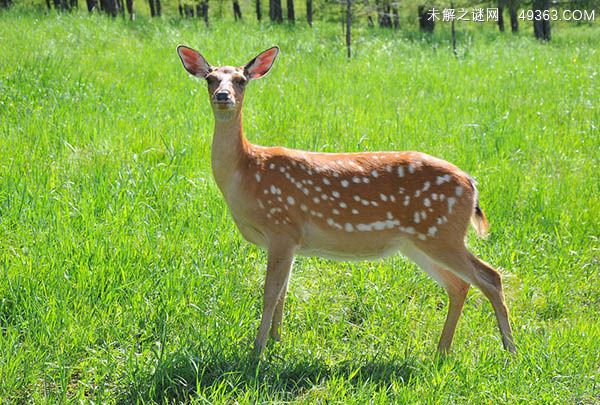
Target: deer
{"x":343,"y":206}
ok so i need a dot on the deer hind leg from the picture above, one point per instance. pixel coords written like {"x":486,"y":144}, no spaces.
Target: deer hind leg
{"x":469,"y":268}
{"x":455,"y":287}
{"x":280,"y":258}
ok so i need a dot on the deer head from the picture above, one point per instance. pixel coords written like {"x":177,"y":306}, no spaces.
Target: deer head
{"x":226,"y":84}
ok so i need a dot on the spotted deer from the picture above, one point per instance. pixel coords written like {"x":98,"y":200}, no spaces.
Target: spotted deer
{"x":344,"y":206}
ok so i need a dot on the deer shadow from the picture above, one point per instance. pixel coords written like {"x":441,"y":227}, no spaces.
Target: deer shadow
{"x":178,"y":377}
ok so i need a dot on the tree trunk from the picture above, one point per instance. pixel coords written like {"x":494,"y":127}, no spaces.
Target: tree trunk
{"x":237,"y":11}
{"x":158,"y":7}
{"x":275,"y":12}
{"x":514,"y":20}
{"x":348,"y":27}
{"x":500,"y":18}
{"x":426,"y":24}
{"x":205,"y":12}
{"x":541,"y":26}
{"x":152,"y":9}
{"x":395,"y":16}
{"x":309,"y":12}
{"x":130,"y":9}
{"x":291,"y":14}
{"x":258,"y":11}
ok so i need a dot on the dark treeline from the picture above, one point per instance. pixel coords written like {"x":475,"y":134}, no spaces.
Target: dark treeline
{"x":384,"y":13}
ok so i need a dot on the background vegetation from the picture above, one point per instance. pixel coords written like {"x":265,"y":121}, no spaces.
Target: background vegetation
{"x":124,"y":279}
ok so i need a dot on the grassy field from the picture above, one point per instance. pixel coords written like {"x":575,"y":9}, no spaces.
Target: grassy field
{"x":124,"y":279}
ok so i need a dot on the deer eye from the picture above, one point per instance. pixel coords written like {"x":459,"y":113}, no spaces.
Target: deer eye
{"x":240,"y":80}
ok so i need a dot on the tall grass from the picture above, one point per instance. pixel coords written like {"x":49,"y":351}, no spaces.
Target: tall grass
{"x":124,"y":279}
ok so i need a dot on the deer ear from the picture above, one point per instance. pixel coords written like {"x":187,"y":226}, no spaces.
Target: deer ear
{"x":260,"y":66}
{"x":193,"y":62}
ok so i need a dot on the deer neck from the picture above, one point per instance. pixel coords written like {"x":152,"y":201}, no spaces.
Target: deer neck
{"x":229,"y":150}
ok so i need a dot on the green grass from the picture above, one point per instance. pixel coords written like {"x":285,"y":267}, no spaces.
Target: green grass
{"x":124,"y":279}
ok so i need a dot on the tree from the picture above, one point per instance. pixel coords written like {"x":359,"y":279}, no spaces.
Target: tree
{"x":291,"y":14}
{"x":275,"y":12}
{"x":541,"y":24}
{"x":513,"y":6}
{"x":155,"y":8}
{"x":309,"y":12}
{"x":258,"y":11}
{"x":237,"y":11}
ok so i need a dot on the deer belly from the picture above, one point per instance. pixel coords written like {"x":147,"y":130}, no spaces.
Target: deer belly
{"x":344,"y":246}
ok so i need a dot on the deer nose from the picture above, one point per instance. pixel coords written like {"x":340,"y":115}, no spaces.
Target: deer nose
{"x":222,"y":96}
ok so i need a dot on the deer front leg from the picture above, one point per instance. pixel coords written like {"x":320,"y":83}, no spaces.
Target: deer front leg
{"x":279,"y":265}
{"x":278,"y":314}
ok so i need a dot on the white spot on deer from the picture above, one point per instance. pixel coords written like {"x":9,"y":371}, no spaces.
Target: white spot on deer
{"x":417,"y":193}
{"x":374,"y":204}
{"x":400,"y":171}
{"x":406,"y":200}
{"x":442,"y":179}
{"x":365,"y":180}
{"x":364,"y":202}
{"x":257,"y":177}
{"x":363,"y":227}
{"x":291,"y":200}
{"x":356,"y":180}
{"x":379,"y":225}
{"x":344,"y":183}
{"x":260,"y":204}
{"x":416,"y":218}
{"x":343,"y":204}
{"x":273,"y":189}
{"x":336,"y":174}
{"x":354,"y":211}
{"x":305,"y":191}
{"x":392,"y":198}
{"x":388,"y":168}
{"x":330,"y":221}
{"x":432,"y":231}
{"x":326,"y":181}
{"x":286,"y":207}
{"x":434,"y":196}
{"x":427,"y":202}
{"x":451,"y":203}
{"x":356,"y":198}
{"x":282,"y":169}
{"x":303,"y":207}
{"x":411,"y":169}
{"x":269,"y":216}
{"x":374,"y":173}
{"x":335,"y":211}
{"x":265,"y":191}
{"x":383,"y":197}
{"x":275,"y":210}
{"x":318,"y":189}
{"x":423,"y":215}
{"x":348,"y":227}
{"x":316,"y":200}
{"x":442,"y":197}
{"x":426,"y":186}
{"x":324,"y":197}
{"x":422,"y":237}
{"x":389,"y":215}
{"x":408,"y":229}
{"x":390,"y":224}
{"x":279,"y":199}
{"x":335,"y":194}
{"x":458,"y":190}
{"x":276,"y":222}
{"x":401,"y":190}
{"x":309,"y":182}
